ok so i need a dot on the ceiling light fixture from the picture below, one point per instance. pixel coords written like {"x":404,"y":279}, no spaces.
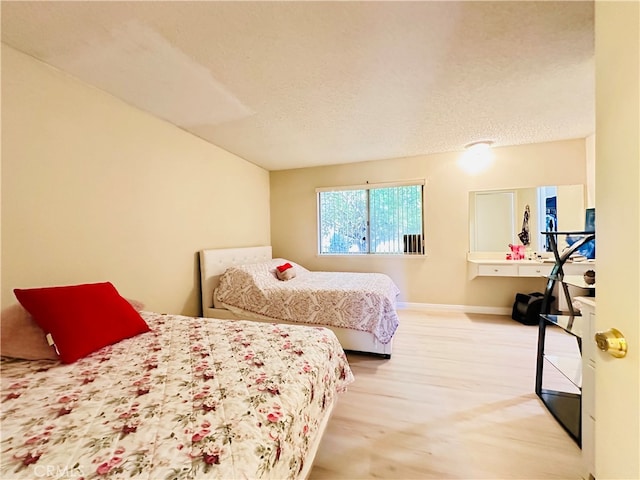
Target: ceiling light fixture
{"x":477,"y":157}
{"x":479,"y":145}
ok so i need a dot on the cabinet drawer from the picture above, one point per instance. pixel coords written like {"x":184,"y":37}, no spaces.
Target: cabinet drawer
{"x":588,"y":390}
{"x":498,"y":270}
{"x":534,"y":270}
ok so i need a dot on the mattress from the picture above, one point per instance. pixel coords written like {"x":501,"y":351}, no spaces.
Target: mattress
{"x":358,"y":301}
{"x":192,"y":398}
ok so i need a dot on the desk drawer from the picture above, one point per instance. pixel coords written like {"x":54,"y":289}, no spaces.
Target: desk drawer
{"x":541,"y":270}
{"x":498,"y":270}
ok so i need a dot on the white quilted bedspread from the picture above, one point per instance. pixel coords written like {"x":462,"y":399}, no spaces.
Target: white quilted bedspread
{"x":358,"y":301}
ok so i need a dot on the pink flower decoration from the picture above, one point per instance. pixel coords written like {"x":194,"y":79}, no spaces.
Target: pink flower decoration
{"x":32,"y":440}
{"x":273,"y":390}
{"x":274,"y":416}
{"x":142,"y":391}
{"x":127,"y":429}
{"x":29,"y":458}
{"x":211,"y":459}
{"x":64,"y":411}
{"x":103,"y":469}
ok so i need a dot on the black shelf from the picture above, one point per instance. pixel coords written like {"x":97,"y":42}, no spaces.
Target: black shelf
{"x":571,"y":324}
{"x":566,"y":407}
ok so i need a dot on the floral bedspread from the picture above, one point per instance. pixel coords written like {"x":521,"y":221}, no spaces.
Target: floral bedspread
{"x":359,"y":301}
{"x":193,"y":398}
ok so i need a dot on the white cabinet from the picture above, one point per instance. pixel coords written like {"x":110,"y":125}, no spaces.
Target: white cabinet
{"x":588,"y":310}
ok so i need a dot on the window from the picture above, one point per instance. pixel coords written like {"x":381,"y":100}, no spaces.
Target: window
{"x":370,"y":219}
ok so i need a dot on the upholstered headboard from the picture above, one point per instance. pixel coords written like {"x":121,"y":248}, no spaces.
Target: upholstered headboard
{"x":214,"y":262}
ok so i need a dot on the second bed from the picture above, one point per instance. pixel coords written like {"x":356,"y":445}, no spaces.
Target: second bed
{"x":360,"y":308}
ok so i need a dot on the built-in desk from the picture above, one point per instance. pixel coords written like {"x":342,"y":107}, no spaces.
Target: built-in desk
{"x":490,"y":265}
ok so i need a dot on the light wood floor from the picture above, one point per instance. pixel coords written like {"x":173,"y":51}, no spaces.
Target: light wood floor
{"x":456,"y":400}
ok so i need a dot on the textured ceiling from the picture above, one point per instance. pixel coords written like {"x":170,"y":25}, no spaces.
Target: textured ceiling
{"x":296,"y":84}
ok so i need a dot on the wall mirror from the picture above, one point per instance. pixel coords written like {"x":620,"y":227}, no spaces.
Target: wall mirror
{"x":496,"y":216}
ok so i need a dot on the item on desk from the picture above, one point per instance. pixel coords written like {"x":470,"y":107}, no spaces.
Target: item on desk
{"x":517,"y":252}
{"x":576,"y":257}
{"x":590,"y":277}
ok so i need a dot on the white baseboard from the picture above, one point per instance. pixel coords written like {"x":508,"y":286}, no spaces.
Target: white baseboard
{"x":438,"y":307}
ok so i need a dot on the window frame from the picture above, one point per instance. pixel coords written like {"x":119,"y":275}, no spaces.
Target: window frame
{"x":371,"y":186}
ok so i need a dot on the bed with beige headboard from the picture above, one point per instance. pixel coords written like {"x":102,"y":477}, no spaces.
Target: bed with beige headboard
{"x":215,"y":262}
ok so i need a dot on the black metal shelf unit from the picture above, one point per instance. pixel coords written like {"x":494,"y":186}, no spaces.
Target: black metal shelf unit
{"x":566,"y":407}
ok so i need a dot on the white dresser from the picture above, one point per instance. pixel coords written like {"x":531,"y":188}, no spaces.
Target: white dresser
{"x":587,"y":307}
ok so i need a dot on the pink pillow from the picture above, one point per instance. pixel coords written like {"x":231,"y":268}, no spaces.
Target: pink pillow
{"x":21,"y":337}
{"x":137,"y":304}
{"x":82,"y":318}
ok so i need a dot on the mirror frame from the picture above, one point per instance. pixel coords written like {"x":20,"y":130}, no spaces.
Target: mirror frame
{"x":571,"y":218}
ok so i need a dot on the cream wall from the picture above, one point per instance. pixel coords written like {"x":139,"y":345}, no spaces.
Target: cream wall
{"x":441,"y":277}
{"x":95,"y":190}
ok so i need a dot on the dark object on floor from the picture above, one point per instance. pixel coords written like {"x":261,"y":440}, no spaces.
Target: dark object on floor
{"x":526,"y":308}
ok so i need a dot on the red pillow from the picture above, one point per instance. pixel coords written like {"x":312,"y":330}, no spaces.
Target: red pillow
{"x":82,"y":318}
